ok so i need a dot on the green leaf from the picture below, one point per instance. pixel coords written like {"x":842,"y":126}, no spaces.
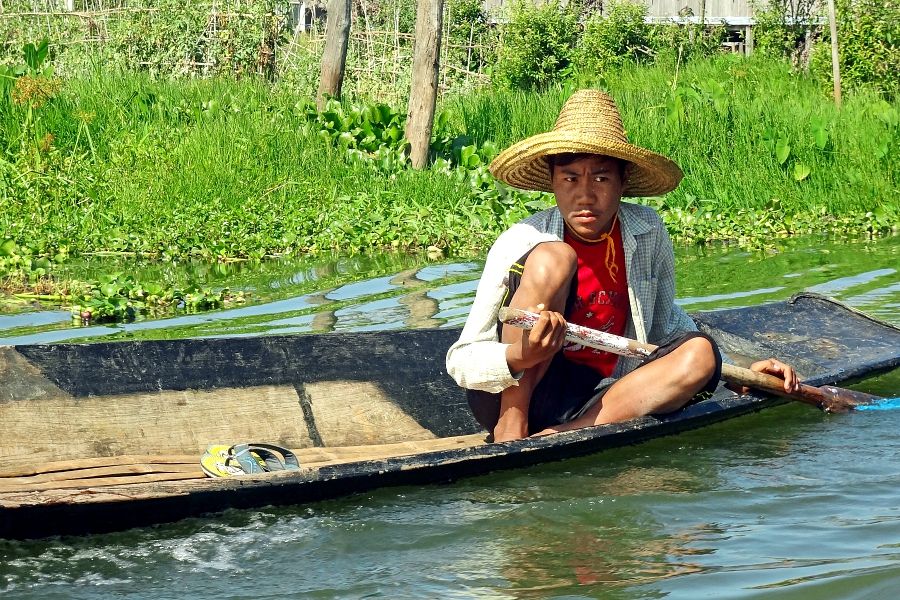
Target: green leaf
{"x":109,"y":289}
{"x":674,"y":110}
{"x":883,"y":147}
{"x":8,"y":247}
{"x":801,"y":171}
{"x":782,"y":150}
{"x":819,"y":132}
{"x":768,"y":138}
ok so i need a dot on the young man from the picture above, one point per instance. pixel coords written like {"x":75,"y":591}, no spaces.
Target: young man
{"x":597,"y":262}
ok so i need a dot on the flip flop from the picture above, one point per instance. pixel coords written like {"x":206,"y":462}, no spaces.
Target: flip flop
{"x":241,"y":459}
{"x":267,"y":452}
{"x":216,"y":466}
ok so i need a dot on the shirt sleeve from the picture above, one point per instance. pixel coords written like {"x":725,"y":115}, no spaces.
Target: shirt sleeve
{"x":477,"y":360}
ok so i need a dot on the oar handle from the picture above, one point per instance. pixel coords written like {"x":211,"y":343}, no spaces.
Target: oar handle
{"x":828,"y":399}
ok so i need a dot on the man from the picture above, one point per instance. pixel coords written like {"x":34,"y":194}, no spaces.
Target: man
{"x":597,"y":262}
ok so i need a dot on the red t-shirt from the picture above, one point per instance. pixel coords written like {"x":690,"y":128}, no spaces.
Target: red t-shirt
{"x":601,"y":303}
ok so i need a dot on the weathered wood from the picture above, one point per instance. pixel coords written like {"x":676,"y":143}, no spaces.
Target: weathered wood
{"x":403,"y":370}
{"x":835,"y":57}
{"x":19,"y":379}
{"x":425,"y":73}
{"x":337,"y":38}
{"x":16,"y":486}
{"x":168,"y":422}
{"x":354,"y":413}
{"x":93,"y":463}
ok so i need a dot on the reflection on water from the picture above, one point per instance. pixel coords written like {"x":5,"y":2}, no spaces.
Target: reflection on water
{"x":787,"y":503}
{"x":395,"y":290}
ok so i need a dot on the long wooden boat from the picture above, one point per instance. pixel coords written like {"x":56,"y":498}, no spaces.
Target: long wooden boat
{"x":107,"y":436}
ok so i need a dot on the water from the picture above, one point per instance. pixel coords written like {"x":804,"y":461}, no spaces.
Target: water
{"x":787,"y":503}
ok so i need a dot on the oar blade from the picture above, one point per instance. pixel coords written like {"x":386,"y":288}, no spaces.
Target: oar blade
{"x":842,"y":400}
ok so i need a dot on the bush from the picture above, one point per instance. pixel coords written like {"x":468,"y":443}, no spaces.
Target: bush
{"x":786,"y":28}
{"x":619,"y":37}
{"x":537,"y":45}
{"x":468,"y":25}
{"x":869,"y":45}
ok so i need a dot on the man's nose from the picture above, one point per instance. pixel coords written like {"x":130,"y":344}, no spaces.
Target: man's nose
{"x":586,"y":191}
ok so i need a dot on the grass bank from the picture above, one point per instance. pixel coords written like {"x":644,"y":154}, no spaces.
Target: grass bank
{"x":234,"y":169}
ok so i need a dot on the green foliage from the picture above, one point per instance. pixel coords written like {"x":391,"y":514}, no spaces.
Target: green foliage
{"x":618,"y":37}
{"x":470,"y":42}
{"x":782,"y":25}
{"x":869,"y":46}
{"x":118,"y":297}
{"x":538,"y":45}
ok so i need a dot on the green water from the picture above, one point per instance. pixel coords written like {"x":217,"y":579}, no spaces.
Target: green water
{"x":787,"y":503}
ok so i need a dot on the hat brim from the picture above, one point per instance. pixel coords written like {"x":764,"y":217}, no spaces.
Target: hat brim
{"x":522,"y":165}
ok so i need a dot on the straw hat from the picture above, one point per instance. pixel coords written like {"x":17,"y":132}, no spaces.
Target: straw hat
{"x":588,"y":123}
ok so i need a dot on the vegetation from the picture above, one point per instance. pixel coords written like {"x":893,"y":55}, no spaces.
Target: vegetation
{"x":869,"y":41}
{"x":131,"y":162}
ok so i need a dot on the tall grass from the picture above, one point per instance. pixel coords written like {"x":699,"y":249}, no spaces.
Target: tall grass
{"x":727,"y":151}
{"x":225,"y":168}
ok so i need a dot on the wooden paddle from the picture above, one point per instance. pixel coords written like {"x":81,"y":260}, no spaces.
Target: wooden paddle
{"x":829,"y":398}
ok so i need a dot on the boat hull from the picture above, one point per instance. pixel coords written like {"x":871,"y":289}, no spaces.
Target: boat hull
{"x":363,"y":410}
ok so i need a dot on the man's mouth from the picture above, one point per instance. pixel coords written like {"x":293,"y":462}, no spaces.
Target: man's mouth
{"x":584,"y":217}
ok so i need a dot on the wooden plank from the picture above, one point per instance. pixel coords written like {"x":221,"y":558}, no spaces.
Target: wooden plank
{"x":91,"y":463}
{"x":359,"y":413}
{"x":159,"y":423}
{"x":115,"y":471}
{"x":99,"y":482}
{"x":315,"y":457}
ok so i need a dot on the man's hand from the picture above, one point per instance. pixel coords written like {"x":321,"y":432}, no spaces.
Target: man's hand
{"x":772,"y":367}
{"x":544,"y":340}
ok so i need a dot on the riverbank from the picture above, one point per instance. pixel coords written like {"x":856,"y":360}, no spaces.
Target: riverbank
{"x":223,"y":169}
{"x":231,"y":169}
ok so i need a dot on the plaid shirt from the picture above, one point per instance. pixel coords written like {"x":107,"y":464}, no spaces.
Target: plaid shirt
{"x":478,"y":359}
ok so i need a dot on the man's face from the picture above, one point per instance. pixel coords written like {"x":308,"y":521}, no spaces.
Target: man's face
{"x":588,"y":193}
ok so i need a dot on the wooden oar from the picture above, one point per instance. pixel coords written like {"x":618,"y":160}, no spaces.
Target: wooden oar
{"x":829,"y":398}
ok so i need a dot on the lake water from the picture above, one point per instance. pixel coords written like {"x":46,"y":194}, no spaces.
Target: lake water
{"x":786,"y":503}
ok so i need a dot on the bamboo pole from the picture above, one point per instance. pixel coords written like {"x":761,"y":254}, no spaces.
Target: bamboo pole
{"x":426,"y":70}
{"x":337,"y":37}
{"x":835,"y":66}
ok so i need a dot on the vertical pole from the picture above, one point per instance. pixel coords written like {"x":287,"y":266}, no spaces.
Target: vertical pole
{"x":835,"y":66}
{"x":337,"y":38}
{"x":748,"y":40}
{"x":426,"y":69}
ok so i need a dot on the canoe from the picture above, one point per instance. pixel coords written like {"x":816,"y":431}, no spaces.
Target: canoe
{"x":107,"y":436}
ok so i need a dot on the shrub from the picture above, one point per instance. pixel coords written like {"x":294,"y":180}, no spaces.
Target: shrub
{"x":869,"y":45}
{"x":784,"y":26}
{"x":538,"y":44}
{"x":468,"y":25}
{"x":619,"y":37}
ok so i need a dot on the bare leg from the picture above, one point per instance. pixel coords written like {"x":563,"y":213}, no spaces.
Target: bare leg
{"x":546,"y":279}
{"x":662,"y":386}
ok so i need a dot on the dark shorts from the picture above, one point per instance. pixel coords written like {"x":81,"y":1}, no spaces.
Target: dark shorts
{"x":567,"y":387}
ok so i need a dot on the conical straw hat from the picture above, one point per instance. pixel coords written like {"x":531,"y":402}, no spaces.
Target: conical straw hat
{"x":588,"y":123}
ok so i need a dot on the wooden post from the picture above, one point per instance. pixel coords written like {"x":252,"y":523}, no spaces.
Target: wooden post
{"x":426,"y":69}
{"x":337,"y":38}
{"x":835,"y":66}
